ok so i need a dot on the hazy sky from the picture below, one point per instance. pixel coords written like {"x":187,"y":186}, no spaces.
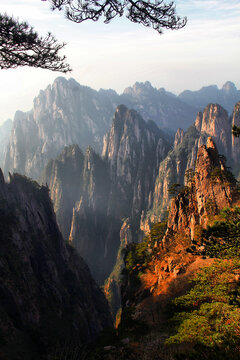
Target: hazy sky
{"x":206,"y":51}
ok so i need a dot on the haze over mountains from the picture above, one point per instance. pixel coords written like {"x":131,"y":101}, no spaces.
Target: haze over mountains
{"x":68,"y":113}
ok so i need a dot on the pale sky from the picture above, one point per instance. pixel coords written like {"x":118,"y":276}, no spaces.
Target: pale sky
{"x":117,"y":55}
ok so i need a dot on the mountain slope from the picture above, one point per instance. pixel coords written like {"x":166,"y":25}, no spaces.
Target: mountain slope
{"x":213,"y":121}
{"x":48,"y":297}
{"x":157,"y":270}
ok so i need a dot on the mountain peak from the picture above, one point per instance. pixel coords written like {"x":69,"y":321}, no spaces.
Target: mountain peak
{"x":139,"y":87}
{"x":229,"y":87}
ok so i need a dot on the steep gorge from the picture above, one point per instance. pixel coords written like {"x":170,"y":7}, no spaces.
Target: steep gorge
{"x":103,"y":191}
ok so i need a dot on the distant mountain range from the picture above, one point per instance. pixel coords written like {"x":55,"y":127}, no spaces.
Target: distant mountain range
{"x":68,"y":113}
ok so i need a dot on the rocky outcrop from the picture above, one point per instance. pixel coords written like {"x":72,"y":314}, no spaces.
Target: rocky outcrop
{"x":171,"y":171}
{"x":178,"y":138}
{"x":210,"y":188}
{"x":48,"y":297}
{"x":133,"y":150}
{"x":79,"y":187}
{"x":95,"y":230}
{"x":214,"y":122}
{"x":176,"y":258}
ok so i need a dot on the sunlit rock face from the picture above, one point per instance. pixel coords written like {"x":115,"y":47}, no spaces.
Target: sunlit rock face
{"x":210,"y":189}
{"x":179,"y":254}
{"x":213,"y":121}
{"x":48,"y":296}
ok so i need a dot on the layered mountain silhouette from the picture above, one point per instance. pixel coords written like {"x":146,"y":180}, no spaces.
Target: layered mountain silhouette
{"x":67,"y":113}
{"x":227,"y":96}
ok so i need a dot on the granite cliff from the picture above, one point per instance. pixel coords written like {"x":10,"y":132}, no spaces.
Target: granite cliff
{"x":133,"y":150}
{"x":92,"y":194}
{"x":210,"y":188}
{"x":5,"y":131}
{"x":173,"y":259}
{"x":213,"y":121}
{"x":48,"y":297}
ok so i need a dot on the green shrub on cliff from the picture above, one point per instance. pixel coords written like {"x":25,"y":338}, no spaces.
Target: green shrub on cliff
{"x":209,"y":314}
{"x":222,"y":239}
{"x":138,"y":255}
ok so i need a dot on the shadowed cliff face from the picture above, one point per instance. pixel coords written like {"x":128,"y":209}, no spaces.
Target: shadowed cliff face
{"x":133,"y":150}
{"x":47,"y":294}
{"x":106,"y":189}
{"x":64,"y":179}
{"x":236,"y":141}
{"x":5,"y":131}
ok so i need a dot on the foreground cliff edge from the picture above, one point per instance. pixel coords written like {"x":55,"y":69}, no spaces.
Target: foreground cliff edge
{"x":192,"y":258}
{"x":48,"y":299}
